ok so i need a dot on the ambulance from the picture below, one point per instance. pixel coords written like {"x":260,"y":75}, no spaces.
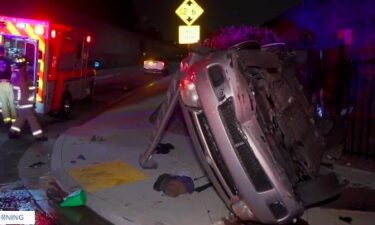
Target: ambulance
{"x":57,"y":61}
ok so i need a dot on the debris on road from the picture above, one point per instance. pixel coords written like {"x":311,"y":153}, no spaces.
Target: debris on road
{"x":163,"y":148}
{"x":346,"y":219}
{"x":55,"y":195}
{"x":37,"y":165}
{"x":174,"y":186}
{"x":76,"y":198}
{"x":82,"y":157}
{"x":95,"y":138}
{"x":203,"y":187}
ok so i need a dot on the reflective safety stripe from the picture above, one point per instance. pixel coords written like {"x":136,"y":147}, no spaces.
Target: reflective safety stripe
{"x":13,"y":120}
{"x":25,"y":106}
{"x":35,"y":133}
{"x":18,"y":89}
{"x":31,"y":98}
{"x":7,"y":119}
{"x":14,"y":128}
{"x":32,"y":88}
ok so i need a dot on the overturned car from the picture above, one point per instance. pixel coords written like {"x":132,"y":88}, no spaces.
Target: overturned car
{"x":254,"y":130}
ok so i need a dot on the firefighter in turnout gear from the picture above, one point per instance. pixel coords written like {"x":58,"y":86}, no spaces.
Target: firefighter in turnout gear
{"x":6,"y":92}
{"x":24,"y":102}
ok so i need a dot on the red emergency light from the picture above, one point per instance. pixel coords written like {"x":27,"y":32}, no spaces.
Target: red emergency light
{"x":346,"y":36}
{"x":88,"y":38}
{"x":53,"y":33}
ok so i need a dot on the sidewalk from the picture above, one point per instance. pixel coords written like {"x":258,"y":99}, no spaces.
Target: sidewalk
{"x":102,"y":156}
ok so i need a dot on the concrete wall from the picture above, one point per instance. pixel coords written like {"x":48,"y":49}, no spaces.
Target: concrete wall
{"x":117,"y":48}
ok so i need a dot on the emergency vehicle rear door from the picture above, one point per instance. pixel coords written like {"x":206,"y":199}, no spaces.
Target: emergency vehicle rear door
{"x":31,"y":55}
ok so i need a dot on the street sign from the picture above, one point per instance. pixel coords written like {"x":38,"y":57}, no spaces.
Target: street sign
{"x":188,"y":34}
{"x":189,"y":11}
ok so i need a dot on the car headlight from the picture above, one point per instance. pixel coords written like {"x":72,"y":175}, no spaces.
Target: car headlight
{"x":188,"y":90}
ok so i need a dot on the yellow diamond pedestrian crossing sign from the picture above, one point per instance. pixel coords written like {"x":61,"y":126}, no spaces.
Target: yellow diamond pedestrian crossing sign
{"x":189,"y":11}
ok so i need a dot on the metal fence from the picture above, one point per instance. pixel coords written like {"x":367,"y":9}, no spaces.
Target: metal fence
{"x":361,"y":134}
{"x":347,"y":86}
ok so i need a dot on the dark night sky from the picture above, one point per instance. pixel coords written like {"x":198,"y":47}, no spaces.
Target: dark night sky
{"x":159,"y":15}
{"x":118,"y":12}
{"x":218,"y":14}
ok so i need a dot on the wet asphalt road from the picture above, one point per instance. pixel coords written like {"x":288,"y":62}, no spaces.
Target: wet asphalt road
{"x":12,"y":189}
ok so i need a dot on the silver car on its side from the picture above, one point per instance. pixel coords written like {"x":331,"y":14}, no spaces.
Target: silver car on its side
{"x":254,"y":130}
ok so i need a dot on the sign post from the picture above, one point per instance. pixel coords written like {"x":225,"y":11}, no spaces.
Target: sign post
{"x":188,"y":11}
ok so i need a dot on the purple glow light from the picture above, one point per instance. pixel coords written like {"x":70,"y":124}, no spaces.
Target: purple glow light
{"x":326,"y":19}
{"x":230,"y":36}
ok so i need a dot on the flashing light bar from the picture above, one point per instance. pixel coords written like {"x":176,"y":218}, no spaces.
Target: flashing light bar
{"x":53,"y":33}
{"x":39,"y":29}
{"x":21,"y":25}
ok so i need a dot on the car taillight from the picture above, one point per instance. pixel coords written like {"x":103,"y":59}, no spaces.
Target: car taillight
{"x":188,"y":90}
{"x":155,"y":64}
